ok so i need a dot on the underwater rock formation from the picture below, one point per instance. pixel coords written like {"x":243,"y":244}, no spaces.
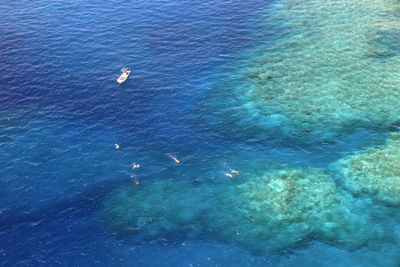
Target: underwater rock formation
{"x":330,"y":74}
{"x":375,"y":171}
{"x":281,"y":209}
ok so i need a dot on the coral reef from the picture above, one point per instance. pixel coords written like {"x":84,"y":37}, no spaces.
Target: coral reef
{"x":329,"y":75}
{"x":282,"y":208}
{"x":374,"y":171}
{"x":162,"y":207}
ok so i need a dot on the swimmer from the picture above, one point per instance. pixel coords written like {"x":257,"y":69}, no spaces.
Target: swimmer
{"x":116,"y":146}
{"x":135,"y":166}
{"x":137,"y":181}
{"x":236,"y":172}
{"x":175,"y":159}
{"x":230,"y":175}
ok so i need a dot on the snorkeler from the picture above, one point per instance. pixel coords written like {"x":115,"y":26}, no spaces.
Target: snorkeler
{"x":230,"y":175}
{"x":137,"y":181}
{"x":175,"y":159}
{"x":135,"y":166}
{"x":237,"y":172}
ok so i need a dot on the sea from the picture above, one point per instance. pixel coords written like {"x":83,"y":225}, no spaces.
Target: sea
{"x":63,"y":115}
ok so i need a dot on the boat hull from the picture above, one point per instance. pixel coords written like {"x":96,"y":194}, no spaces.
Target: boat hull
{"x":124,"y":76}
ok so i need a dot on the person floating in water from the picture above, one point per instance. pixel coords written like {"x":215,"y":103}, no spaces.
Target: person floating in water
{"x":175,"y":159}
{"x":236,"y":172}
{"x":116,"y":146}
{"x":135,"y":166}
{"x":137,"y":181}
{"x":230,"y":175}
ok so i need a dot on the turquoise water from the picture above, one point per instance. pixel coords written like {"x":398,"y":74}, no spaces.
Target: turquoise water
{"x":300,"y":97}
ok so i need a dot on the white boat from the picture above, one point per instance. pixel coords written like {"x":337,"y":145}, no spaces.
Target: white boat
{"x":124,"y":75}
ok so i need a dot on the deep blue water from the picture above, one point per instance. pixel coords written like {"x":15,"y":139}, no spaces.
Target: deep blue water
{"x":61,"y":112}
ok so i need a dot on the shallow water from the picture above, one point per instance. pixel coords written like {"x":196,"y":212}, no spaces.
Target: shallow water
{"x":61,"y":113}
